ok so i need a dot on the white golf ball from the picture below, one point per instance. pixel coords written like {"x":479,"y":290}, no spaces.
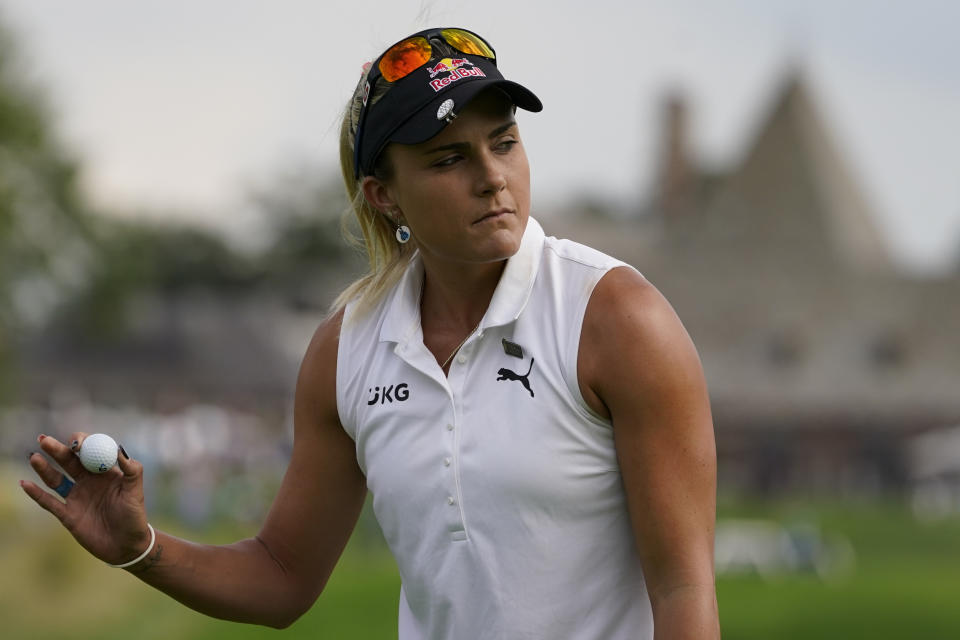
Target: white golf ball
{"x":98,"y":453}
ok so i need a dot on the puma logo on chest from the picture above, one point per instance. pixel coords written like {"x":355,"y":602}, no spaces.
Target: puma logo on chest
{"x":507,"y":374}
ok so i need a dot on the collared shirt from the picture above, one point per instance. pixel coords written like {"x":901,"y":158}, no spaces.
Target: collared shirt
{"x":497,"y":487}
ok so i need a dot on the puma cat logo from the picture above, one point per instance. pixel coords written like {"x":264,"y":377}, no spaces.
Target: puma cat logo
{"x":507,"y":374}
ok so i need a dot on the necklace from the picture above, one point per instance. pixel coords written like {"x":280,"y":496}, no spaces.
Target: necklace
{"x":457,"y":348}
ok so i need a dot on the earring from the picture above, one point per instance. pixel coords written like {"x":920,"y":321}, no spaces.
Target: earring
{"x":403,"y":231}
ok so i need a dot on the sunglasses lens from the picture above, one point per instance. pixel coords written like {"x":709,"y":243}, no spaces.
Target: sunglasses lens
{"x":404,"y":57}
{"x":468,"y":43}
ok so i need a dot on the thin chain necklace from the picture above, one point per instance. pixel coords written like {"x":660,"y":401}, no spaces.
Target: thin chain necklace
{"x":462,"y":342}
{"x":454,"y":352}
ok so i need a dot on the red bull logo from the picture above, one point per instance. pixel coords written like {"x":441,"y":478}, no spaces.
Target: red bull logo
{"x":457,"y":68}
{"x":447,"y":64}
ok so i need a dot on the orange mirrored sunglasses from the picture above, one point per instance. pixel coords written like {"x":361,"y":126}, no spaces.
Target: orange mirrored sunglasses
{"x":410,"y":54}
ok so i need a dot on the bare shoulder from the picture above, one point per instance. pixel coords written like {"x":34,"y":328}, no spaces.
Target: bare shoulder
{"x":317,"y":382}
{"x":632,"y":342}
{"x":624,"y":291}
{"x":326,"y":337}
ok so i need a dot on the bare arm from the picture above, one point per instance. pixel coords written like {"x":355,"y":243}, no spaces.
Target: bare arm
{"x":270,"y":579}
{"x":638,"y":366}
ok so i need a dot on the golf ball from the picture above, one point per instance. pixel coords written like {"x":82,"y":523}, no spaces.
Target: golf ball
{"x":98,"y":453}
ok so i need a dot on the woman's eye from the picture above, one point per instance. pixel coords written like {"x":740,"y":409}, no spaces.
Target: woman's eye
{"x":446,"y":162}
{"x":506,"y":145}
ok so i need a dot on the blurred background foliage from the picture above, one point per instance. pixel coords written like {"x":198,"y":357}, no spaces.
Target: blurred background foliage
{"x":44,"y":228}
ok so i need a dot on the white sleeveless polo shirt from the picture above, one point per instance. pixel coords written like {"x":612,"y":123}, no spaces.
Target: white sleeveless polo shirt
{"x":497,"y":488}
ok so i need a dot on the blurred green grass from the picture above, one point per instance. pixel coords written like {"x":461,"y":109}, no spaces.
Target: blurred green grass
{"x":904,"y":583}
{"x":51,"y":589}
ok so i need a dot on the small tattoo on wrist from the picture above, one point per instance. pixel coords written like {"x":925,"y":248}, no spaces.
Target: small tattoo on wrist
{"x":149,"y":562}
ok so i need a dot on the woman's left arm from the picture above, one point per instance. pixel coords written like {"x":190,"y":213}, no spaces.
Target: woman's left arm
{"x":638,"y":366}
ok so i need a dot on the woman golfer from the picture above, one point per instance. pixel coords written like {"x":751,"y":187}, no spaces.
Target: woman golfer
{"x":528,"y":413}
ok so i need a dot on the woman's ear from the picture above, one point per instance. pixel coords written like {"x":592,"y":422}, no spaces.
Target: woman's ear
{"x":377,"y":194}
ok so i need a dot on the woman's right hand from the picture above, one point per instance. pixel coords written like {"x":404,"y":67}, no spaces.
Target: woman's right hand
{"x":104,"y":512}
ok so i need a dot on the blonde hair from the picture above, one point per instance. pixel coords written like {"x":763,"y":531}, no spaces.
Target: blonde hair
{"x":386,"y":257}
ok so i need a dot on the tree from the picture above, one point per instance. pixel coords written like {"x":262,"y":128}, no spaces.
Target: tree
{"x":303,"y":210}
{"x":160,"y":260}
{"x":44,"y":232}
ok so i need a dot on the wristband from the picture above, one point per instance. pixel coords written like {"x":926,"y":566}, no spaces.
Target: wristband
{"x":153,"y":540}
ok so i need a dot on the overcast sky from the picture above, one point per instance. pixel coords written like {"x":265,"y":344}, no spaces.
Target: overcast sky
{"x":187,"y":103}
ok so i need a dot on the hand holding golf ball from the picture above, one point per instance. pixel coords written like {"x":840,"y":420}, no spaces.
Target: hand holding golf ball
{"x":103,"y":509}
{"x":98,"y":453}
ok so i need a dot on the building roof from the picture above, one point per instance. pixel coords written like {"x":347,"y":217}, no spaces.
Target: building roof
{"x":794,"y":193}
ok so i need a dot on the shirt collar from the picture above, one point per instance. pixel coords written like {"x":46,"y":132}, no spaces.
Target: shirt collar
{"x":516,"y":282}
{"x":402,"y":320}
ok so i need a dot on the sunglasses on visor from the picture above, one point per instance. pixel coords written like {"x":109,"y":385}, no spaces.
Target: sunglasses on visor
{"x":410,"y":54}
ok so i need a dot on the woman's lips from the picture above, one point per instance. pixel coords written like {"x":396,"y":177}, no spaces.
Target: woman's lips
{"x":494,"y":215}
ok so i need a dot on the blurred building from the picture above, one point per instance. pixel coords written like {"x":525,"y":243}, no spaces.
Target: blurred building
{"x":821,"y":357}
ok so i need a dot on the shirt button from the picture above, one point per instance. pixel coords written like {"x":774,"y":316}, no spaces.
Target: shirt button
{"x":446,"y":462}
{"x":450,"y":500}
{"x":461,"y":358}
{"x":449,"y":427}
